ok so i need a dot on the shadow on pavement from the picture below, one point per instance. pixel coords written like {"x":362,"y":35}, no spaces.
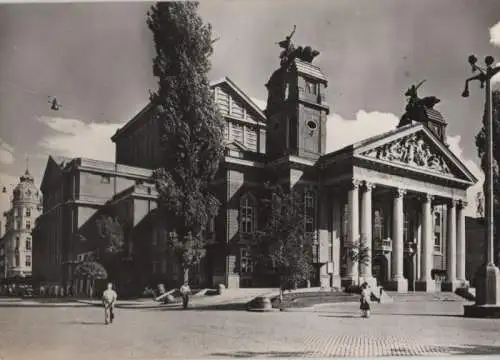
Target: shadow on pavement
{"x":220,"y":307}
{"x":269,"y":354}
{"x":388,"y":314}
{"x":84,"y":323}
{"x":342,"y":316}
{"x":452,"y":349}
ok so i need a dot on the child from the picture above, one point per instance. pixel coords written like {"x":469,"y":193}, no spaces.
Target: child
{"x":365,"y":301}
{"x":185,"y":290}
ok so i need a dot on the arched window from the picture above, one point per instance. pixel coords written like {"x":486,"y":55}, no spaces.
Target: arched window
{"x":247,"y":214}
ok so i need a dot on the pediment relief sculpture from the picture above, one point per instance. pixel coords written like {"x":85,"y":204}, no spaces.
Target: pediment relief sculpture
{"x":411,"y":150}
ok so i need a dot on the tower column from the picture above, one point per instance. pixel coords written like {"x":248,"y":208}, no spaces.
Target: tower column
{"x":451,"y":255}
{"x":461,"y":243}
{"x":353,"y":205}
{"x":399,"y":283}
{"x":366,"y":235}
{"x":426,"y":283}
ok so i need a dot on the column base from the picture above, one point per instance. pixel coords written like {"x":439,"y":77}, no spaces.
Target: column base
{"x":452,"y":285}
{"x":428,"y":285}
{"x":370,"y":280}
{"x":336,"y":281}
{"x":488,"y":286}
{"x":399,"y":285}
{"x":324,"y":281}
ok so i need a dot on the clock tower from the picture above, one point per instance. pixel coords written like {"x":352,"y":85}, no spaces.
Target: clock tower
{"x":296,"y":108}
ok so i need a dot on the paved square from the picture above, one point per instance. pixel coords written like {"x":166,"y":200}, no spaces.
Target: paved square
{"x":399,"y":329}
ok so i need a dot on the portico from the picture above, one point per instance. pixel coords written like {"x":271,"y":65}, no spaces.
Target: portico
{"x":386,"y":190}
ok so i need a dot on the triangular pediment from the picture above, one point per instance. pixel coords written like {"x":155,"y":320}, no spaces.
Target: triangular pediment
{"x":233,"y":102}
{"x":415,"y":148}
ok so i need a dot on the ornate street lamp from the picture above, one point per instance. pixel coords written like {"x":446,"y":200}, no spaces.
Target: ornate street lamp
{"x":488,"y":287}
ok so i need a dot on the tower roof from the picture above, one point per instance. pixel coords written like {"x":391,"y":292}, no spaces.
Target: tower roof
{"x":308,"y":69}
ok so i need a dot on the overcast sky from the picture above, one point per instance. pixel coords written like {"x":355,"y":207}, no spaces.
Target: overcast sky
{"x":96,"y":58}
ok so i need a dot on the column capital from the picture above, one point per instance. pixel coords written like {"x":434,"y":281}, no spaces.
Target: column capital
{"x":462,"y":204}
{"x":453,"y":203}
{"x":399,"y":192}
{"x":355,"y":184}
{"x":427,"y":198}
{"x":369,"y":186}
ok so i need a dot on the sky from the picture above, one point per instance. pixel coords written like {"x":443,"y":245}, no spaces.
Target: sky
{"x":96,"y":58}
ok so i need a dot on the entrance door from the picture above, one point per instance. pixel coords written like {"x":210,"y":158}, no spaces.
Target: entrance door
{"x":380,"y":269}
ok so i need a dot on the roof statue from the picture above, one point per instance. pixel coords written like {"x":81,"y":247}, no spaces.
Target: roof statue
{"x":290,"y":53}
{"x":414,"y":102}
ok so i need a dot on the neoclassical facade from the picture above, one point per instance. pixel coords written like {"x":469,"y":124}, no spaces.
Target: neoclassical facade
{"x":399,"y":196}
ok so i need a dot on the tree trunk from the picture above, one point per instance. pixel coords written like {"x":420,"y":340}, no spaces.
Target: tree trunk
{"x":186,"y":275}
{"x":281,"y":294}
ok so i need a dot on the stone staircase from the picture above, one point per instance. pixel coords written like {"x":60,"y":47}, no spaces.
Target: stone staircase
{"x":425,"y":297}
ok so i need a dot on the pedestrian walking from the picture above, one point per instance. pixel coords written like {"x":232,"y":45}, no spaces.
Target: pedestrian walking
{"x":185,"y":291}
{"x":365,"y":300}
{"x":109,"y":297}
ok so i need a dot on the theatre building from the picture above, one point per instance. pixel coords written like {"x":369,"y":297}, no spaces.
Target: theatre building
{"x":401,"y":194}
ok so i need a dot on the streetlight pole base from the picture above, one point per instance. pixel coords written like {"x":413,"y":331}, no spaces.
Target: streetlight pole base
{"x":487,"y":294}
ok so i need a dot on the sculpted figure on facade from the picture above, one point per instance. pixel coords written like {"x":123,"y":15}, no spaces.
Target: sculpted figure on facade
{"x":289,"y":52}
{"x":411,"y":150}
{"x":415,"y":102}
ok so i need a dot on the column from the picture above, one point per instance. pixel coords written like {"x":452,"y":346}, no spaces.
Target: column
{"x":399,"y":283}
{"x":426,"y":283}
{"x":323,"y":238}
{"x":451,"y":254}
{"x":460,"y":259}
{"x":353,"y":204}
{"x":337,"y":207}
{"x":366,"y":235}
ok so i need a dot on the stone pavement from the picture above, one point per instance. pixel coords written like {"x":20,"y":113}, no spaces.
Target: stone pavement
{"x":432,"y":328}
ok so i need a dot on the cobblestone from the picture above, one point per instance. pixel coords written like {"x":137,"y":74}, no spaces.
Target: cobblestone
{"x":403,"y":329}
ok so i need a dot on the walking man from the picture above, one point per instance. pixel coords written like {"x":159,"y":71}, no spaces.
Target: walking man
{"x":109,"y":297}
{"x":185,"y":290}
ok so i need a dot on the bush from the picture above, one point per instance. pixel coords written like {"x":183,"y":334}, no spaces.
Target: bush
{"x":148,"y":292}
{"x":353,"y":289}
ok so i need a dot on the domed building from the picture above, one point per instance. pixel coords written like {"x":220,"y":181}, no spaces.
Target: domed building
{"x":16,"y":245}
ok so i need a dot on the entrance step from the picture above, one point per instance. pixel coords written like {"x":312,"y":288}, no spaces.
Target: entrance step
{"x":425,"y":297}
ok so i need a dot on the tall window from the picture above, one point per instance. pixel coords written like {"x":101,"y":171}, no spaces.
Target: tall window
{"x":247,"y":215}
{"x":18,"y":242}
{"x":406,"y":228}
{"x":437,"y":218}
{"x":16,"y":260}
{"x":28,"y":212}
{"x":378,"y":225}
{"x":246,"y":265}
{"x":27,"y":262}
{"x":237,"y":132}
{"x":309,"y":205}
{"x":28,"y":225}
{"x":18,"y":225}
{"x":28,"y":243}
{"x":437,"y":241}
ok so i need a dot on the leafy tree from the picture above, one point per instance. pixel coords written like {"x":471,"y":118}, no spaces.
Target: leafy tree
{"x":283,"y":241}
{"x":358,"y":253}
{"x":191,"y":128}
{"x":91,"y":270}
{"x":111,"y":231}
{"x":481,"y":148}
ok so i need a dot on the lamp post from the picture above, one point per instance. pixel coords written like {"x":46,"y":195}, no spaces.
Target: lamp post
{"x":488,"y":286}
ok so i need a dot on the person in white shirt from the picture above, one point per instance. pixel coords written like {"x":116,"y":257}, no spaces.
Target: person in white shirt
{"x":185,"y":291}
{"x":109,"y":297}
{"x":365,"y":300}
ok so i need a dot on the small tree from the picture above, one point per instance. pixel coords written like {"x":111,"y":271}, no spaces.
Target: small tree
{"x":358,"y":253}
{"x":91,"y":270}
{"x":283,"y":241}
{"x":190,"y":127}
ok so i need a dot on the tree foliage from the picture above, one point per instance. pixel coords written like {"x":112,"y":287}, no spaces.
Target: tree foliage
{"x":481,"y":149}
{"x":111,"y":232}
{"x":191,"y":128}
{"x":283,"y":241}
{"x":92,"y":270}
